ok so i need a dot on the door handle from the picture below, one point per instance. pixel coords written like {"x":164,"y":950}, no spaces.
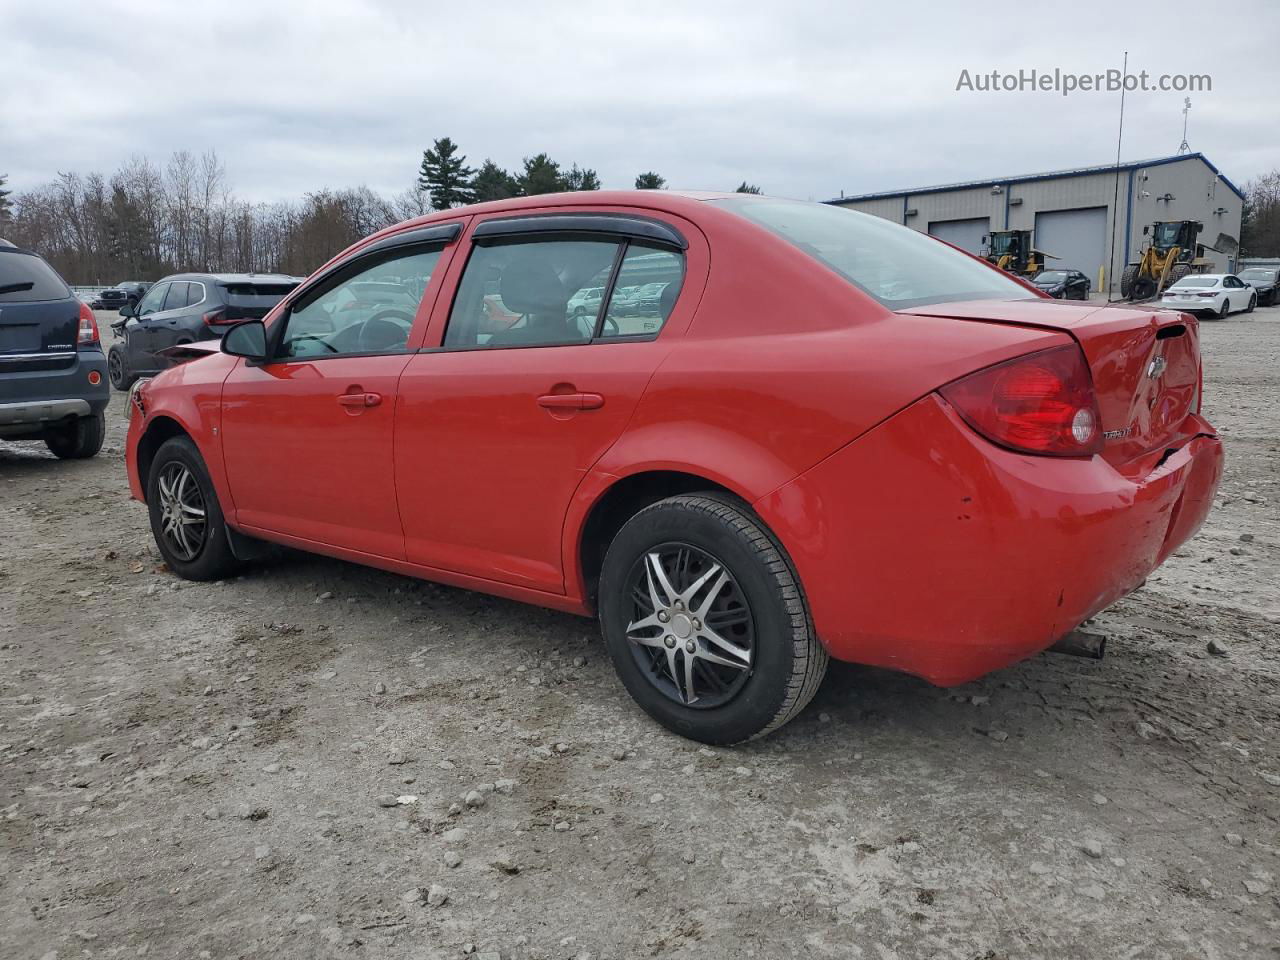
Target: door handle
{"x":360,"y":400}
{"x":571,"y":401}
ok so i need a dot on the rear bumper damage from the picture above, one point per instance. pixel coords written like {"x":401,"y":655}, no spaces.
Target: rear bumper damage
{"x":924,"y":548}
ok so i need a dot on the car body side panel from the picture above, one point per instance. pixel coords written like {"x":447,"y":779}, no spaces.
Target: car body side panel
{"x":924,"y":548}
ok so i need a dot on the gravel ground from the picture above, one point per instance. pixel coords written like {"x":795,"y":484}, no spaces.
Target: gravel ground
{"x":320,"y":760}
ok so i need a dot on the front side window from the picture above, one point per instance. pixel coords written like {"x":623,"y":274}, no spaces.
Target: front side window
{"x":368,"y":308}
{"x":895,"y":265}
{"x":524,"y":294}
{"x":153,"y":300}
{"x":177,"y":295}
{"x":647,"y":286}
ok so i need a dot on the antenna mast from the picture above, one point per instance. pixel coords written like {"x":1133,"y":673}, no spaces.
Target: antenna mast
{"x":1185,"y":147}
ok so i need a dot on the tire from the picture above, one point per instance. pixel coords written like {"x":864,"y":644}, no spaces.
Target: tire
{"x":78,"y":440}
{"x":1226,"y":308}
{"x":1253,"y":302}
{"x":212,"y":558}
{"x":1177,"y":272}
{"x":1127,"y":278}
{"x":118,"y":371}
{"x":786,"y":662}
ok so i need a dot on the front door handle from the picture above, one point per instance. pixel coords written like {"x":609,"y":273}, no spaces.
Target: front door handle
{"x":571,"y":401}
{"x":360,"y":400}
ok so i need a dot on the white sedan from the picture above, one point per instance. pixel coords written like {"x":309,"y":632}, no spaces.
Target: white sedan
{"x":1217,"y":293}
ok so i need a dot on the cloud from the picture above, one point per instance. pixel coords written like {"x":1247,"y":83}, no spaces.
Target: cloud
{"x":805,"y":99}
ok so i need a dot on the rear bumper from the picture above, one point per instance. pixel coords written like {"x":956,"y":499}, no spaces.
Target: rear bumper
{"x":924,"y":548}
{"x":30,"y":398}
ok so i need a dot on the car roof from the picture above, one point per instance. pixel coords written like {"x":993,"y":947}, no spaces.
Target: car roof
{"x":235,"y":277}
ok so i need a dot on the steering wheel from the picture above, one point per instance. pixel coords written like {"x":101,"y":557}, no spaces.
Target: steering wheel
{"x":615,"y":332}
{"x":383,"y":332}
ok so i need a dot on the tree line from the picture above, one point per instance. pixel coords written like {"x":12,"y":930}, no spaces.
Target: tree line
{"x":144,"y":221}
{"x":1260,"y":228}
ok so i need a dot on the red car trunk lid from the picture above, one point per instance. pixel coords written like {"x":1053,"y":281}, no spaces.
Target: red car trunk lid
{"x":1145,"y":364}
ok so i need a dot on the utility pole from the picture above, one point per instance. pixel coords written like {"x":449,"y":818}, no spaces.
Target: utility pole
{"x":1185,"y":147}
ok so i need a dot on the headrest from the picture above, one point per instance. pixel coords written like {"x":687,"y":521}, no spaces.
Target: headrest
{"x":530,"y":285}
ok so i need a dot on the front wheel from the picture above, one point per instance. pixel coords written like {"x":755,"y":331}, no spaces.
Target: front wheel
{"x":78,"y":440}
{"x":705,"y":620}
{"x":186,"y":519}
{"x":1253,"y":302}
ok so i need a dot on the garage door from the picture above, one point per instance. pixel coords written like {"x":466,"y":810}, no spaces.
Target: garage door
{"x":965,"y":234}
{"x":1077,"y":237}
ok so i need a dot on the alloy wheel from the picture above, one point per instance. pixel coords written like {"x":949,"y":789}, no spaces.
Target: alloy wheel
{"x":182,"y":511}
{"x":115,"y":369}
{"x":691,"y":630}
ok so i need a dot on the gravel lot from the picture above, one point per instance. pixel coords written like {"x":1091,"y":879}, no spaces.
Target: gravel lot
{"x":319,"y":760}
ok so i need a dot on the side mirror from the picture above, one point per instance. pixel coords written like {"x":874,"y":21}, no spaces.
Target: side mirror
{"x":248,"y":340}
{"x":128,"y":310}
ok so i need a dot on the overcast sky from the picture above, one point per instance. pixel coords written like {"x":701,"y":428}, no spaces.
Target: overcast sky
{"x":804,"y":99}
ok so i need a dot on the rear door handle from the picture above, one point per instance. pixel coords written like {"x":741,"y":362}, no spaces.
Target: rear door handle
{"x":571,"y":401}
{"x":360,"y":399}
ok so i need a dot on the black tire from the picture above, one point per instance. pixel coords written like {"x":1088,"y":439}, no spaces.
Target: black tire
{"x":78,"y":440}
{"x":1127,"y":278}
{"x":1226,"y":308}
{"x":118,"y":370}
{"x":787,"y":662}
{"x":213,"y":560}
{"x":1253,"y":302}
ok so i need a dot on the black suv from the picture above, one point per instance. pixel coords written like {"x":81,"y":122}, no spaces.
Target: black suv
{"x":126,"y":293}
{"x":53,"y":376}
{"x":184,"y":308}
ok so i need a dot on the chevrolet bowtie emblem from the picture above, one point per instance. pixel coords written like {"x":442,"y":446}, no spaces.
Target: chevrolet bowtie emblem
{"x":1156,"y":367}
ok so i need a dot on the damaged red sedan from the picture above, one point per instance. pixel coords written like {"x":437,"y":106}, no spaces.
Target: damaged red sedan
{"x":747,"y":434}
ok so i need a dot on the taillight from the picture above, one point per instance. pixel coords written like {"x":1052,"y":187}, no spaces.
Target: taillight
{"x":1042,"y":403}
{"x":214,"y":316}
{"x":88,"y":333}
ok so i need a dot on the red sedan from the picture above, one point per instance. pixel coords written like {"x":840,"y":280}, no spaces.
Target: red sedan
{"x":816,"y":434}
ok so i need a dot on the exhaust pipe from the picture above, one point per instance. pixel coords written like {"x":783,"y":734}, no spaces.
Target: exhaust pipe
{"x":1081,"y":643}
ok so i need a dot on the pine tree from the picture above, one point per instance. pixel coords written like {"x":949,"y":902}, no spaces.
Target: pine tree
{"x":445,"y":176}
{"x":6,"y":205}
{"x":745,"y":187}
{"x":541,"y":175}
{"x":650,"y":181}
{"x":577,"y":179}
{"x":493,"y":183}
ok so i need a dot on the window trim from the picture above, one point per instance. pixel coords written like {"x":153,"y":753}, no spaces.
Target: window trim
{"x":353,"y":266}
{"x":618,"y":225}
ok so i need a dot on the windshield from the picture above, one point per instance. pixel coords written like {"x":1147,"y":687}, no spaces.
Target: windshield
{"x":1258,"y":275}
{"x":1003,"y":243}
{"x":1051,"y":276}
{"x":895,"y":265}
{"x":1166,"y":234}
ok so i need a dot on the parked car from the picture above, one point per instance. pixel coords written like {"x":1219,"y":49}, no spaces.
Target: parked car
{"x":53,"y":376}
{"x":125,"y":293}
{"x":1063,"y":284}
{"x":1265,"y":282}
{"x":586,"y":302}
{"x":1215,"y":293}
{"x":190,"y":307}
{"x":846,"y":439}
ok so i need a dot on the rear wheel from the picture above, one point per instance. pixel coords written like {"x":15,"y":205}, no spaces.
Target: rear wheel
{"x":1225,"y":308}
{"x":1126,"y":279}
{"x":186,"y":519}
{"x":705,"y":621}
{"x":78,"y":440}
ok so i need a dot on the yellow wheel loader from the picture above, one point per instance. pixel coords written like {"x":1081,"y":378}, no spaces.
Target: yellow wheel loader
{"x":1012,"y":250}
{"x":1172,"y":253}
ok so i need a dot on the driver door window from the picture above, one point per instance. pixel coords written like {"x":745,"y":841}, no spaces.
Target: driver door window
{"x":366,"y":309}
{"x":151,"y":302}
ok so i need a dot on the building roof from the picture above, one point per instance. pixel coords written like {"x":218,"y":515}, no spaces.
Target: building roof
{"x":1050,"y":175}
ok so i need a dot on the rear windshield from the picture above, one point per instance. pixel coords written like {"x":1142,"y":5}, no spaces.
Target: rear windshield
{"x":896,"y":265}
{"x":253,"y":301}
{"x":24,"y":277}
{"x":1196,"y":282}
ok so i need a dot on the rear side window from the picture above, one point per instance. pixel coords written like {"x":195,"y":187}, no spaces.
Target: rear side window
{"x":895,"y":265}
{"x":253,"y":301}
{"x":533,"y":293}
{"x":648,"y":283}
{"x":24,"y":277}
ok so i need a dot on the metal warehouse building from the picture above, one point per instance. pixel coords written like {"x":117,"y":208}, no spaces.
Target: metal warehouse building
{"x":1071,"y":212}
